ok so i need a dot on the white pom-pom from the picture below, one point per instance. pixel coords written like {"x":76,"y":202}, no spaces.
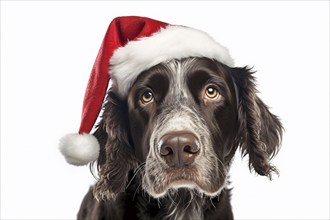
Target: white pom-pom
{"x":79,"y":149}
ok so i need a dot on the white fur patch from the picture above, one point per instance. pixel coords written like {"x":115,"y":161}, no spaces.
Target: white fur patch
{"x":79,"y":149}
{"x":172,"y":42}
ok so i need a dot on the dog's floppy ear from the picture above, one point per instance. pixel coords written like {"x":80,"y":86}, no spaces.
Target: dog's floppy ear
{"x":260,"y":132}
{"x":116,"y":155}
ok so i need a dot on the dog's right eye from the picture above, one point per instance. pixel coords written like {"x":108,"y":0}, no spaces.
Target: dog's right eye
{"x":147,"y":97}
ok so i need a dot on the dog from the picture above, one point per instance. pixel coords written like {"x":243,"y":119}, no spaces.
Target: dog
{"x":166,"y":149}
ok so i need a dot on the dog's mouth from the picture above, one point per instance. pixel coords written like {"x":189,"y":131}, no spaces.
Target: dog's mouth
{"x":172,"y":179}
{"x":180,"y":176}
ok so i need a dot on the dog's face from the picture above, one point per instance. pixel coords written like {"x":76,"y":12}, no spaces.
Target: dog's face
{"x":183,"y":121}
{"x":180,"y":126}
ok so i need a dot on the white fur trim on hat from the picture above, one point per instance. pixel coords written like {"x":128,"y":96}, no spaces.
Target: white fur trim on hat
{"x":79,"y":149}
{"x":172,"y":42}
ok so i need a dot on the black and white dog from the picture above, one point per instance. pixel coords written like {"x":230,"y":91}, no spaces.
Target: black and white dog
{"x":167,"y":148}
{"x":174,"y":116}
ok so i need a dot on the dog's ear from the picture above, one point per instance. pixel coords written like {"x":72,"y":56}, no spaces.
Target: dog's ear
{"x":260,"y":132}
{"x":116,"y":156}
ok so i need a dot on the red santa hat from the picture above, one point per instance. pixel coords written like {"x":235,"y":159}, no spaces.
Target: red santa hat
{"x":131,"y":45}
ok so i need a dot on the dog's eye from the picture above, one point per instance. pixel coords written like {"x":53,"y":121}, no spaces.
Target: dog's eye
{"x":147,"y":97}
{"x":211,"y":93}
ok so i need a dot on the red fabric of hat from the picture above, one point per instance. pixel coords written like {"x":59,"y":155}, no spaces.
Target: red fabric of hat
{"x":120,"y":31}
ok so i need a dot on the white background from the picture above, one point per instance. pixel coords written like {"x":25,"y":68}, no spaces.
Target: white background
{"x":47,"y":53}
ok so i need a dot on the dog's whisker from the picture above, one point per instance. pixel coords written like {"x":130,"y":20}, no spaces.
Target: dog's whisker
{"x":189,"y":202}
{"x":141,"y":166}
{"x":136,"y":190}
{"x":222,"y":164}
{"x":159,"y":203}
{"x":212,"y":203}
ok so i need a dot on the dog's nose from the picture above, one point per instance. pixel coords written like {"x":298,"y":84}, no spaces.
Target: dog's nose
{"x":179,"y":149}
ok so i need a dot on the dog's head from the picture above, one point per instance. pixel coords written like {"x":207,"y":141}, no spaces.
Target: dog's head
{"x":179,"y":127}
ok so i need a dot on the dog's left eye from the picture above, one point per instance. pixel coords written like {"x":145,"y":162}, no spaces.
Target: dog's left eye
{"x":147,"y":97}
{"x":211,"y":93}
